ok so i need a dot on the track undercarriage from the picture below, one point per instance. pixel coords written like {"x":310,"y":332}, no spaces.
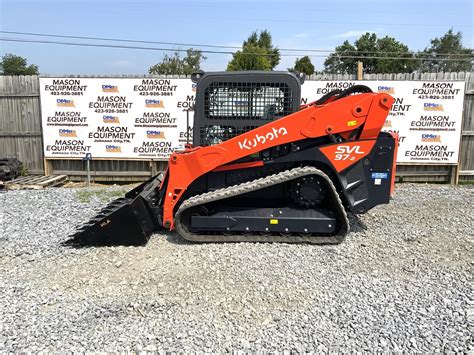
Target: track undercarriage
{"x":222,"y":216}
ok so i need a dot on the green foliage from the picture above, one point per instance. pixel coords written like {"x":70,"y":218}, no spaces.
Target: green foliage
{"x":258,"y":53}
{"x":369,"y":45}
{"x":303,"y":65}
{"x":175,"y":65}
{"x":250,"y":58}
{"x":15,"y":65}
{"x":450,"y":43}
{"x":335,"y":65}
{"x":396,"y":49}
{"x":23,"y":170}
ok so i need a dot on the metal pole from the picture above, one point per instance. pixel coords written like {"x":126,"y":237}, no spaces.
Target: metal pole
{"x":187,"y":126}
{"x":88,"y":168}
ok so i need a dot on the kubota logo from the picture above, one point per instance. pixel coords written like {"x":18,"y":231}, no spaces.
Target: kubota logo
{"x":262,"y":139}
{"x":345,"y":152}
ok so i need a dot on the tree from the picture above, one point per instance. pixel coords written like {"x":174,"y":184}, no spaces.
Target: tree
{"x":258,"y":53}
{"x":390,"y":47}
{"x":335,"y":65}
{"x":175,"y":65}
{"x":365,"y":48}
{"x":303,"y":65}
{"x":447,"y":47}
{"x":15,"y":65}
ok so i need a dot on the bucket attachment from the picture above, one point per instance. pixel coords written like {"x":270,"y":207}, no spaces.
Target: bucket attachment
{"x":125,"y":221}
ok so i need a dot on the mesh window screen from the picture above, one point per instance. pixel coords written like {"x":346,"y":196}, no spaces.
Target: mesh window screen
{"x":234,"y":100}
{"x":210,"y":135}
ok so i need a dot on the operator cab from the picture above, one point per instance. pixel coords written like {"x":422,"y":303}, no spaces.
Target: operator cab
{"x":229,"y":104}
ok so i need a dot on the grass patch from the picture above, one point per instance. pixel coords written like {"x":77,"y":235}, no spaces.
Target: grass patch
{"x":86,"y":195}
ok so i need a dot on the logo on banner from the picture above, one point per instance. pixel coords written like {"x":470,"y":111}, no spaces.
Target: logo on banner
{"x":160,"y":87}
{"x":333,"y":85}
{"x":399,"y":107}
{"x":156,"y":148}
{"x":431,"y":138}
{"x":67,"y":133}
{"x":438,"y":122}
{"x":189,"y":103}
{"x":430,"y":106}
{"x":155,"y":134}
{"x":62,"y":85}
{"x":110,"y":119}
{"x":109,"y":88}
{"x":113,"y":149}
{"x":436,"y":89}
{"x":430,"y":153}
{"x":157,"y":119}
{"x":154,"y":103}
{"x":65,"y":103}
{"x":386,"y":89}
{"x":67,"y":147}
{"x":388,"y":123}
{"x":193,"y":87}
{"x":186,"y":136}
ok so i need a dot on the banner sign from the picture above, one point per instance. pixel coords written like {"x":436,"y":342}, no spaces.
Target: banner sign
{"x":145,"y":118}
{"x":115,"y":117}
{"x":426,"y":115}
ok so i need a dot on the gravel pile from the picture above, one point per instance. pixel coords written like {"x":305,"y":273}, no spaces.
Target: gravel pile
{"x":400,"y":282}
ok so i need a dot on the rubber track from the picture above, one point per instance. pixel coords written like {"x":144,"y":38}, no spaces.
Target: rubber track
{"x":256,"y":185}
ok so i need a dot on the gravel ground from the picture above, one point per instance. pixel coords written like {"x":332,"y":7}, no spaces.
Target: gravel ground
{"x":400,"y":282}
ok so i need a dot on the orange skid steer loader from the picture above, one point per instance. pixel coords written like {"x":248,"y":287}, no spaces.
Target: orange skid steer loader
{"x":262,"y":168}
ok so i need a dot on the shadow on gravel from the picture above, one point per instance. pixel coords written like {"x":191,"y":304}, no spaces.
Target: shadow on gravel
{"x":175,"y":238}
{"x":356,"y":224}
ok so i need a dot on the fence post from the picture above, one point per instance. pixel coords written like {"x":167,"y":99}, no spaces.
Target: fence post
{"x":360,"y":70}
{"x":454,"y":177}
{"x":153,"y":168}
{"x":48,"y":167}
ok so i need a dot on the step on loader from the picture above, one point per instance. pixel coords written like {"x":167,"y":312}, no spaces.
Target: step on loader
{"x":262,"y":167}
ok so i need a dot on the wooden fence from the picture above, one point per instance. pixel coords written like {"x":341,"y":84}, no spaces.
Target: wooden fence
{"x":20,"y":121}
{"x":21,"y":135}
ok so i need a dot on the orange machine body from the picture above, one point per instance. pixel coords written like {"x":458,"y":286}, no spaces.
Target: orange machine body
{"x":368,"y":110}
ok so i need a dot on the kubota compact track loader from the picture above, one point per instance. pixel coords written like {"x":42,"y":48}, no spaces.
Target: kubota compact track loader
{"x":262,"y":168}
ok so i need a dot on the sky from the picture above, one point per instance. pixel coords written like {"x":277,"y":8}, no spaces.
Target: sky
{"x":299,"y":24}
